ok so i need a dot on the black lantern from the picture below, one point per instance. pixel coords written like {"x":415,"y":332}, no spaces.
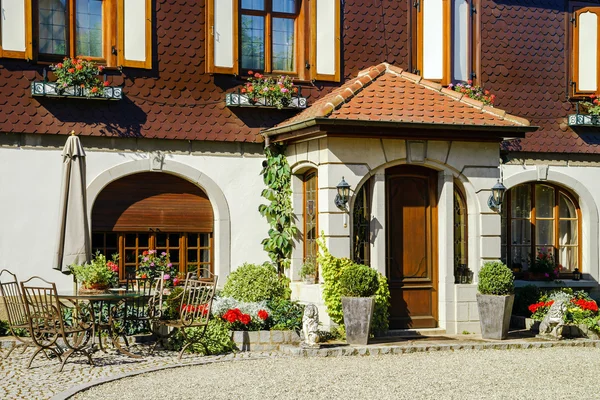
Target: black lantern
{"x":576,"y":274}
{"x":343,"y":194}
{"x":495,"y":200}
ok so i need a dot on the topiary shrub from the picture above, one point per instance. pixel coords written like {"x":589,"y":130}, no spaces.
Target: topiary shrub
{"x":253,"y":283}
{"x":495,"y":278}
{"x":357,"y":280}
{"x":332,"y":268}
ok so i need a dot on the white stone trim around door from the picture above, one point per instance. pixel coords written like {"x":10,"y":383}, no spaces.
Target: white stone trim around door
{"x":587,"y":205}
{"x":222,"y":219}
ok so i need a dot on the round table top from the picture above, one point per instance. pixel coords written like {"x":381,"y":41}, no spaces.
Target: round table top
{"x":114,"y":294}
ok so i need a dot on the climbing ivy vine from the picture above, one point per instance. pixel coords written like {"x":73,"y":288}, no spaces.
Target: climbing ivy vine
{"x":277,"y":175}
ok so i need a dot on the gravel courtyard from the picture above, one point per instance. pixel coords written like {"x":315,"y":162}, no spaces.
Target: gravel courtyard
{"x":554,"y":373}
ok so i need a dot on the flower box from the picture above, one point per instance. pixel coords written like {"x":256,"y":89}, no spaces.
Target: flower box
{"x":51,"y":89}
{"x":584,"y":120}
{"x":242,"y":100}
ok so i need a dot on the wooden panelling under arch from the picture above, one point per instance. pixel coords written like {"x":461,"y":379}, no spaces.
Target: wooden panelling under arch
{"x":152,"y":201}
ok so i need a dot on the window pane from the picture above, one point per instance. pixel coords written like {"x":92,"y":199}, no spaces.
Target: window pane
{"x":283,"y":44}
{"x":566,"y":207}
{"x":205,"y":256}
{"x":253,"y":4}
{"x":521,"y":201}
{"x":89,"y":28}
{"x":544,"y":201}
{"x":111,"y":240}
{"x":520,"y":257}
{"x":521,"y":232}
{"x":253,"y":42}
{"x":52,"y":29}
{"x":130,"y":240}
{"x":161,"y":240}
{"x":174,"y":240}
{"x":544,"y":232}
{"x":286,"y":6}
{"x":205,"y":239}
{"x":567,"y":232}
{"x":567,"y":258}
{"x":192,"y":256}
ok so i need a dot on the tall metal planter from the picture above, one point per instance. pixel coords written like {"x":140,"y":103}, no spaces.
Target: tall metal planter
{"x":494,"y":315}
{"x":358,"y":313}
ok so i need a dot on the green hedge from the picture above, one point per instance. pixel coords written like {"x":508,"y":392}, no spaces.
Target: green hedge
{"x":253,"y":283}
{"x":495,"y":278}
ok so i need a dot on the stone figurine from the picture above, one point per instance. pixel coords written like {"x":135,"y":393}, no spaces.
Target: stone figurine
{"x":554,"y":321}
{"x":310,"y":324}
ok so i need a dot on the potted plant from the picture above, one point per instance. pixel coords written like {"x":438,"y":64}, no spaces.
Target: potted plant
{"x":79,"y":75}
{"x":153,"y":265}
{"x":98,"y":275}
{"x":269,"y":91}
{"x":495,"y":299}
{"x":358,"y":285}
{"x":308,"y":272}
{"x":543,"y":266}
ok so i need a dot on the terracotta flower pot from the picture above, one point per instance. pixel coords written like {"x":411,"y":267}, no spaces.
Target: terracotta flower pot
{"x":94,"y":288}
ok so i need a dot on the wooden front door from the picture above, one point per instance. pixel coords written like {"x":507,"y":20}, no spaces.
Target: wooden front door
{"x":412,"y":246}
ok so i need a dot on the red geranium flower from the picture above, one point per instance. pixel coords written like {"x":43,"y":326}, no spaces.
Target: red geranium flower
{"x":262,"y":314}
{"x":106,"y":83}
{"x":245,"y":319}
{"x":71,"y":70}
{"x":79,"y":67}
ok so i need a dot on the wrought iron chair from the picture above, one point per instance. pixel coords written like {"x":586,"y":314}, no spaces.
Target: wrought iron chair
{"x":193,"y":306}
{"x":16,"y":312}
{"x":136,"y":314}
{"x":49,"y":320}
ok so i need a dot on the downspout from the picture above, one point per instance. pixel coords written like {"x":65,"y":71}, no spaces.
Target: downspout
{"x":267,"y":140}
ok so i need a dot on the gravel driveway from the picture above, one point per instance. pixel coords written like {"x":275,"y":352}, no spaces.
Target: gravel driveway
{"x":553,"y":373}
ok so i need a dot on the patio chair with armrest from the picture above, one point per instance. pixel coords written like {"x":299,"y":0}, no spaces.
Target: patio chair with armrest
{"x":194,"y":306}
{"x":47,"y":320}
{"x":14,"y":307}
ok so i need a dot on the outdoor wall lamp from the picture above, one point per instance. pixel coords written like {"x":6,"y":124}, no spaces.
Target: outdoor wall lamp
{"x":343,"y":194}
{"x":495,"y":200}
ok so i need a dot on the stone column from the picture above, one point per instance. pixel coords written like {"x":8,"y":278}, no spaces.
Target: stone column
{"x":446,"y":248}
{"x":378,"y":245}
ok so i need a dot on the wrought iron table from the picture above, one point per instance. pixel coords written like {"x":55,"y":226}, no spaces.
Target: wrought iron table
{"x":113,"y":300}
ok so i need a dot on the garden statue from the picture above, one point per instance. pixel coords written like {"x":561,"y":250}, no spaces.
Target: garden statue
{"x":310,"y":323}
{"x":554,"y":320}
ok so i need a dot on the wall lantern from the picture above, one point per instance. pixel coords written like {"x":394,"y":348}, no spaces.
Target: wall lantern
{"x":576,"y":274}
{"x":343,"y":194}
{"x":495,"y":200}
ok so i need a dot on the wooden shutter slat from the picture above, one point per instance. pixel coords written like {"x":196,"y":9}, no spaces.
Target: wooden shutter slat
{"x":152,"y":201}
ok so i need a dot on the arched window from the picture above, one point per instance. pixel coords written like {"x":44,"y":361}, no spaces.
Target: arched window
{"x":310,"y":216}
{"x":461,"y":269}
{"x":154,"y":211}
{"x":541,"y":217}
{"x":361,"y":215}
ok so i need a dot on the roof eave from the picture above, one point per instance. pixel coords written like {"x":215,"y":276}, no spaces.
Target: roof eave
{"x":514,"y":131}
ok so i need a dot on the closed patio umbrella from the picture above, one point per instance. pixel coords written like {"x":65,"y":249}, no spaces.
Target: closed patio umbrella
{"x":73,"y":238}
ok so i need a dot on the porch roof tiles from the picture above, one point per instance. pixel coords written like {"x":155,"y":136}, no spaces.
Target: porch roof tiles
{"x":387,"y":94}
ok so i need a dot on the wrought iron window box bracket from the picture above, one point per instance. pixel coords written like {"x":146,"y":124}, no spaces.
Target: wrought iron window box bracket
{"x":242,"y":100}
{"x":50,"y":89}
{"x":584,"y":120}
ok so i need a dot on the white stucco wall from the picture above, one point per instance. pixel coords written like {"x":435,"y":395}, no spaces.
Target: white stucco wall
{"x":30,"y":184}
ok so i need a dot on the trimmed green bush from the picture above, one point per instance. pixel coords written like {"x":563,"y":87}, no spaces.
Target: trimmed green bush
{"x":495,"y":278}
{"x":332,"y":268}
{"x":357,"y":280}
{"x":286,"y":315}
{"x":253,"y":283}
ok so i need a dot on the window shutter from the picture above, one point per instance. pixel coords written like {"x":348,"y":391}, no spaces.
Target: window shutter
{"x":222,"y":36}
{"x":15,"y":29}
{"x":325,"y":40}
{"x":585,"y":50}
{"x":134,"y":19}
{"x":461,"y":40}
{"x":433,"y":27}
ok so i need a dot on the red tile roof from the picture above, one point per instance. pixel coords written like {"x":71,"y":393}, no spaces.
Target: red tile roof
{"x":388,"y":94}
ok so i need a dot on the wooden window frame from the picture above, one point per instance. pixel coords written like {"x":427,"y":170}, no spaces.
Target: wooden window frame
{"x":366,"y":191}
{"x":458,"y":192}
{"x":416,"y":35}
{"x":305,"y":179}
{"x":507,"y":209}
{"x":575,"y":9}
{"x":300,"y":39}
{"x":109,"y":34}
{"x":152,"y":245}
